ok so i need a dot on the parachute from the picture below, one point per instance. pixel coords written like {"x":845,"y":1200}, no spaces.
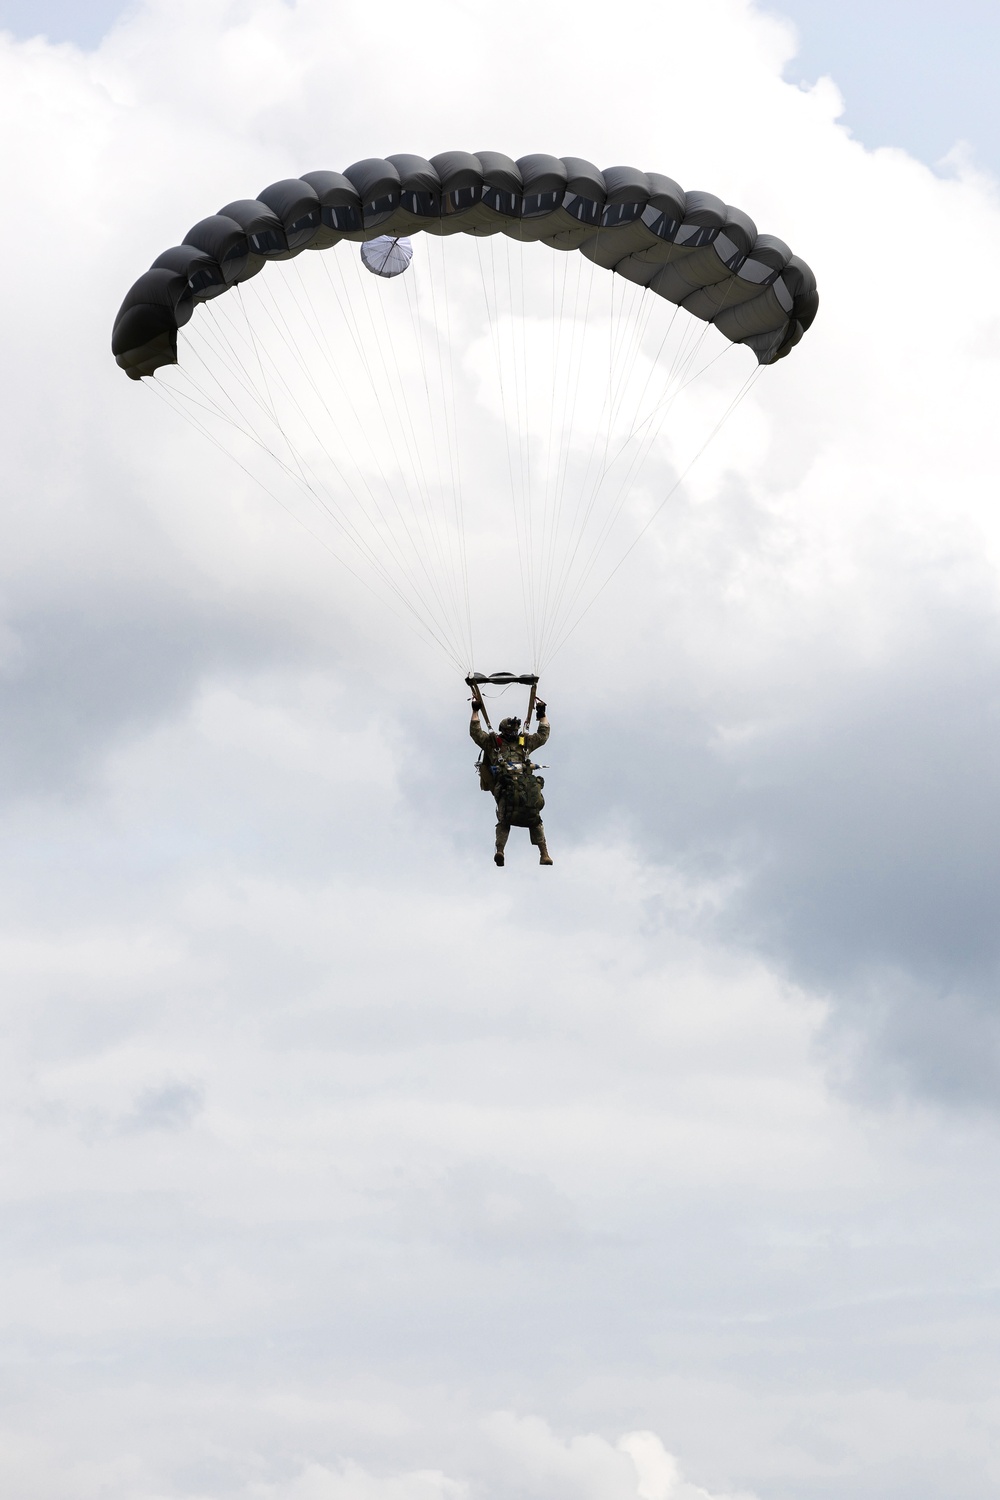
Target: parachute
{"x":480,"y":415}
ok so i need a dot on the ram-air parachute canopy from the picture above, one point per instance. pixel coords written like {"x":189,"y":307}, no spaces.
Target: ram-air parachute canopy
{"x":496,"y":418}
{"x":690,"y":248}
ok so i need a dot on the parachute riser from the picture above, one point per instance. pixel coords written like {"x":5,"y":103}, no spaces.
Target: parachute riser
{"x":479,"y":701}
{"x":531,"y":704}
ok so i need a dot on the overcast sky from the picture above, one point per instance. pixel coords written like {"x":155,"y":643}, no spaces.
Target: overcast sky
{"x":338,"y":1164}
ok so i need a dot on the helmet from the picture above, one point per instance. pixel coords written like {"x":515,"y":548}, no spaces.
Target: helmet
{"x":509,"y":728}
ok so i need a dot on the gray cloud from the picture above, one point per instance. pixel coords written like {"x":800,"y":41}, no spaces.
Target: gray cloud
{"x":854,"y":840}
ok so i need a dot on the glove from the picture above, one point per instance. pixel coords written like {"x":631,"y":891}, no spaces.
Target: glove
{"x":475,"y":707}
{"x":540,"y":707}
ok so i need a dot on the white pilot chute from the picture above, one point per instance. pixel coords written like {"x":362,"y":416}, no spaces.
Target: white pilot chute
{"x":388,"y":256}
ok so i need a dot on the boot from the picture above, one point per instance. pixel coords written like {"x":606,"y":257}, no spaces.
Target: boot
{"x":544,"y":857}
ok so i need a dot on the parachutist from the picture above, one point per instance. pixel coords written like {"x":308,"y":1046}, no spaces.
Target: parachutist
{"x":507,"y":772}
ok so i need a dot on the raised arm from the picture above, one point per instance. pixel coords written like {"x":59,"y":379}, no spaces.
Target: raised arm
{"x":481,"y":736}
{"x":532,"y":741}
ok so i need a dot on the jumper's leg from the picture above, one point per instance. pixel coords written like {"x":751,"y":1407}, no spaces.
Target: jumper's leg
{"x":537,"y":835}
{"x":503,"y":833}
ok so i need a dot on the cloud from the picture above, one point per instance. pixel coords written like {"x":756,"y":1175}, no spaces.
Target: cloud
{"x":660,"y":1477}
{"x":351,"y":1482}
{"x":522,"y":1456}
{"x":171,"y":1106}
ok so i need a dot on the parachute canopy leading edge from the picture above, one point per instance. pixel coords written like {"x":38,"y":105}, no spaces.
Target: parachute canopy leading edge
{"x":688,"y":247}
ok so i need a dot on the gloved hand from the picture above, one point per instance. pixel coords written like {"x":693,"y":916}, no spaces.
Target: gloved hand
{"x":475,"y":707}
{"x":540,"y":706}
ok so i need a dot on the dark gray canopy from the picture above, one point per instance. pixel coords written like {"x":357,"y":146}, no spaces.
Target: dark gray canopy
{"x":690,"y":248}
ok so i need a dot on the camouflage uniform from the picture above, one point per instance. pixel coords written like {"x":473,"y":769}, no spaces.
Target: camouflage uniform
{"x":495,"y":748}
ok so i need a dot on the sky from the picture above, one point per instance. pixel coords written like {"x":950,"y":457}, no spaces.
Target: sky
{"x":914,"y":73}
{"x":339,"y":1164}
